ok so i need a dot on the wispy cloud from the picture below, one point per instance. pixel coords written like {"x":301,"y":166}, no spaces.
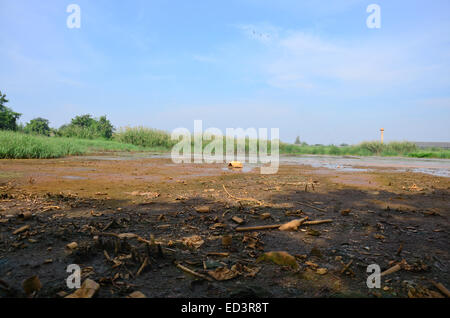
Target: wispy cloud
{"x":304,"y":59}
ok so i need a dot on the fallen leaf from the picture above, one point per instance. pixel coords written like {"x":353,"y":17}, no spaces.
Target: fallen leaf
{"x":193,"y":241}
{"x":72,"y":246}
{"x":31,"y":285}
{"x":87,"y":290}
{"x":136,"y":294}
{"x":223,"y":273}
{"x":311,"y":264}
{"x":322,"y":271}
{"x":279,"y":258}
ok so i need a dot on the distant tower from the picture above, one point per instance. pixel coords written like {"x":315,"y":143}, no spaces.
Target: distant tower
{"x":382,"y":134}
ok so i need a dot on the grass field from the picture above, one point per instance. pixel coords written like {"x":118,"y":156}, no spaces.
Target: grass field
{"x":19,"y":145}
{"x":392,"y":149}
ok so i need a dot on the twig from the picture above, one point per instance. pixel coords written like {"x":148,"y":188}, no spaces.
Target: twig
{"x":144,"y":263}
{"x":391,"y":270}
{"x":275,"y":226}
{"x":441,"y":288}
{"x":317,"y":222}
{"x":224,"y":254}
{"x":241,"y":199}
{"x":260,"y":227}
{"x":190,"y":271}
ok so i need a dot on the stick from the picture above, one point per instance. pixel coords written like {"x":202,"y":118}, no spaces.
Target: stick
{"x":317,"y":222}
{"x":241,"y":199}
{"x":190,"y":271}
{"x":144,"y":263}
{"x":441,"y":288}
{"x":391,"y":270}
{"x":274,"y":226}
{"x":260,"y":227}
{"x":124,"y":236}
{"x":21,"y":229}
{"x":224,"y":254}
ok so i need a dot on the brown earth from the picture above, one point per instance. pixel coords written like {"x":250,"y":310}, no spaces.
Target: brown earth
{"x":181,"y":214}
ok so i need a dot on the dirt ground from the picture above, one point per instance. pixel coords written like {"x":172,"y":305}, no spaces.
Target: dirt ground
{"x":143,"y":224}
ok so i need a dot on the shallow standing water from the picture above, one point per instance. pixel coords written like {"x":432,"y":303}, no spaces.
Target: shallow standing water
{"x":437,"y":167}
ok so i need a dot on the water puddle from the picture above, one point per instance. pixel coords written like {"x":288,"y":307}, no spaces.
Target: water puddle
{"x":74,"y":177}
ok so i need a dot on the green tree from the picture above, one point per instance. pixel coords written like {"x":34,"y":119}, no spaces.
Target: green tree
{"x":83,"y":121}
{"x":39,"y":126}
{"x":8,"y":118}
{"x":297,"y":140}
{"x":86,"y":127}
{"x":104,"y":127}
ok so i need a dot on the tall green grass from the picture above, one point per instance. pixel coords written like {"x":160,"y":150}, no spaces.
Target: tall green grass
{"x":145,"y":137}
{"x":19,"y":145}
{"x":403,"y":149}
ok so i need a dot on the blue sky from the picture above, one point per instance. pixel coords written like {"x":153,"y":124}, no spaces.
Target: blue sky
{"x":310,"y":68}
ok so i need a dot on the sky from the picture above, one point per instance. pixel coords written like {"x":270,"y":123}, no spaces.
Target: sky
{"x":310,"y":68}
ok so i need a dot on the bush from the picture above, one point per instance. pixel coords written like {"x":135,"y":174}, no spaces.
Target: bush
{"x":38,"y":126}
{"x":373,"y":147}
{"x":86,"y":127}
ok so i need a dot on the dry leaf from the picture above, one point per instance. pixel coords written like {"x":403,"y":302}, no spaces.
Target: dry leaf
{"x":280,"y":258}
{"x":193,"y":241}
{"x":223,"y":273}
{"x":72,"y":246}
{"x":136,"y":294}
{"x":311,"y":264}
{"x":31,"y":285}
{"x":87,"y":290}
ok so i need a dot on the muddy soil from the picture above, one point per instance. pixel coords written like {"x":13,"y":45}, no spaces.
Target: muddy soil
{"x":188,"y":216}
